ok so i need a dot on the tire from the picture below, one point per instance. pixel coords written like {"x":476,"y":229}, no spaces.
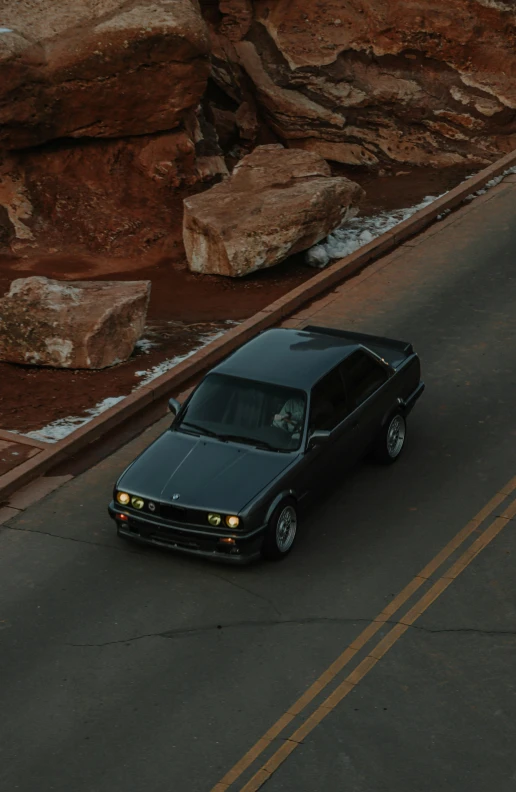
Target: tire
{"x":281,"y":531}
{"x":391,"y":440}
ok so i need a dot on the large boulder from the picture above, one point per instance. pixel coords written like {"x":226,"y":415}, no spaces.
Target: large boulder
{"x":374,"y":81}
{"x":75,"y":325}
{"x":98,"y":68}
{"x":113,"y":197}
{"x":276,"y":203}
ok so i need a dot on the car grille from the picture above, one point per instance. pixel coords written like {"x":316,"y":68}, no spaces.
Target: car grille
{"x":172,"y":538}
{"x":173,"y":513}
{"x":177,"y":515}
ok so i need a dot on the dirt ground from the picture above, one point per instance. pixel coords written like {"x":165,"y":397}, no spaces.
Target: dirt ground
{"x":185,"y":308}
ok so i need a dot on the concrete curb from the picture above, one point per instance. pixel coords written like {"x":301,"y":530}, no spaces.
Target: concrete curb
{"x":214,"y":352}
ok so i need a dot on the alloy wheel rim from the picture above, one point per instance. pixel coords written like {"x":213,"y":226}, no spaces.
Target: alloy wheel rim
{"x":286,"y":528}
{"x":395,"y":436}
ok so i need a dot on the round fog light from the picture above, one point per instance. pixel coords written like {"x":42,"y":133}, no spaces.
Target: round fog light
{"x":138,"y":503}
{"x":123,"y":498}
{"x":232,"y":521}
{"x":214,"y":519}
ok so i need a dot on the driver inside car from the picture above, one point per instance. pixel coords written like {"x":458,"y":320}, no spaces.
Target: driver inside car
{"x":290,"y":417}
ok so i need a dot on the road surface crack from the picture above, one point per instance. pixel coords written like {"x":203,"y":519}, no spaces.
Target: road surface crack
{"x":172,"y":634}
{"x":247,"y":590}
{"x":474,"y":630}
{"x":67,"y":538}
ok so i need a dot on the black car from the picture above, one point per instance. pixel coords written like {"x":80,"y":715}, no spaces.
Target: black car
{"x":258,"y":435}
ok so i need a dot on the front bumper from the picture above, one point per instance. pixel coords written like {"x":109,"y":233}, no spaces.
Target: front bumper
{"x":142,"y":529}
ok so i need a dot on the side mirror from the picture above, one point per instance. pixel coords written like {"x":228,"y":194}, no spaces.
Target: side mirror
{"x":174,"y":406}
{"x":317,"y":438}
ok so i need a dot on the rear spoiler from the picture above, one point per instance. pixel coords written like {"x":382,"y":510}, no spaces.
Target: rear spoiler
{"x":361,"y":338}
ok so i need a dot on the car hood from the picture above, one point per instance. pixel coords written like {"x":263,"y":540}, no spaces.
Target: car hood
{"x":205,"y":473}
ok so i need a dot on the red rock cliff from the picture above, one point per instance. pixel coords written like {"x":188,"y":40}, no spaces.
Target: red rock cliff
{"x":99,"y":120}
{"x":100,"y":127}
{"x":359,"y":81}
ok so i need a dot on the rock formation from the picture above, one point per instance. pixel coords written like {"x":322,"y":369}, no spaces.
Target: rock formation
{"x":276,"y":203}
{"x":73,"y":324}
{"x":110,"y":113}
{"x":83,"y":68}
{"x":117,"y":196}
{"x":119,"y":86}
{"x":364,"y":81}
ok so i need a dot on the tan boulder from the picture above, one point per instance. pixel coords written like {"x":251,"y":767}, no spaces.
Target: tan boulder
{"x":75,"y":325}
{"x":277,"y":202}
{"x":98,"y":68}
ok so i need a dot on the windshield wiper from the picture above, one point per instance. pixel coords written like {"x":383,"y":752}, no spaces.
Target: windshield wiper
{"x":250,"y":441}
{"x":201,"y":429}
{"x":232,"y":438}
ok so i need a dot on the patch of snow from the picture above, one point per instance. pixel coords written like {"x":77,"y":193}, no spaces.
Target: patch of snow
{"x":145,"y":345}
{"x":6,"y":30}
{"x":443,"y":214}
{"x":58,"y":430}
{"x":318,"y":256}
{"x":361,"y":230}
{"x":492,"y":183}
{"x":161,"y":368}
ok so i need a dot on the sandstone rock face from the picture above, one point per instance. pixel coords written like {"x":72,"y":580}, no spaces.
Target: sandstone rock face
{"x":369,"y":81}
{"x":277,"y":202}
{"x":75,"y":325}
{"x":109,"y":116}
{"x":120,"y":196}
{"x":6,"y":228}
{"x":98,"y":68}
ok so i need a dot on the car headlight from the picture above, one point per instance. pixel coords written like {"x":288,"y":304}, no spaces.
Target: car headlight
{"x":214,"y":519}
{"x":137,"y":503}
{"x":232,"y":521}
{"x":123,"y":498}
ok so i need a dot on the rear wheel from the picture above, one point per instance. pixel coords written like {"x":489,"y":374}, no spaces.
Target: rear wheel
{"x":391,"y":440}
{"x":281,"y":531}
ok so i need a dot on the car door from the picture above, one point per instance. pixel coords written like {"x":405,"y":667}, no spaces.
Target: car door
{"x":367,"y":382}
{"x":328,"y":411}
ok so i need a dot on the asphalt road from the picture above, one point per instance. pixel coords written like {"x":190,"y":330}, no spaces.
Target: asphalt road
{"x":128,"y":670}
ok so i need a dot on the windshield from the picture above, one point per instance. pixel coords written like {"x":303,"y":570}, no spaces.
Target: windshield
{"x":246,"y":411}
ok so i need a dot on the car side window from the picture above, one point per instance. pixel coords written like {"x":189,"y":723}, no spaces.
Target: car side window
{"x":328,"y":405}
{"x":363,"y":376}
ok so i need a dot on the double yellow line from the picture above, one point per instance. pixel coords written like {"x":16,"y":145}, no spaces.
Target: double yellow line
{"x":377,"y":652}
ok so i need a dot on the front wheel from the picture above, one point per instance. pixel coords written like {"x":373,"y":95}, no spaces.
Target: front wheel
{"x":281,"y":531}
{"x":391,"y":440}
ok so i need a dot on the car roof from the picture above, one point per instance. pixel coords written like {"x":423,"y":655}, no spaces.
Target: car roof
{"x":289,"y":357}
